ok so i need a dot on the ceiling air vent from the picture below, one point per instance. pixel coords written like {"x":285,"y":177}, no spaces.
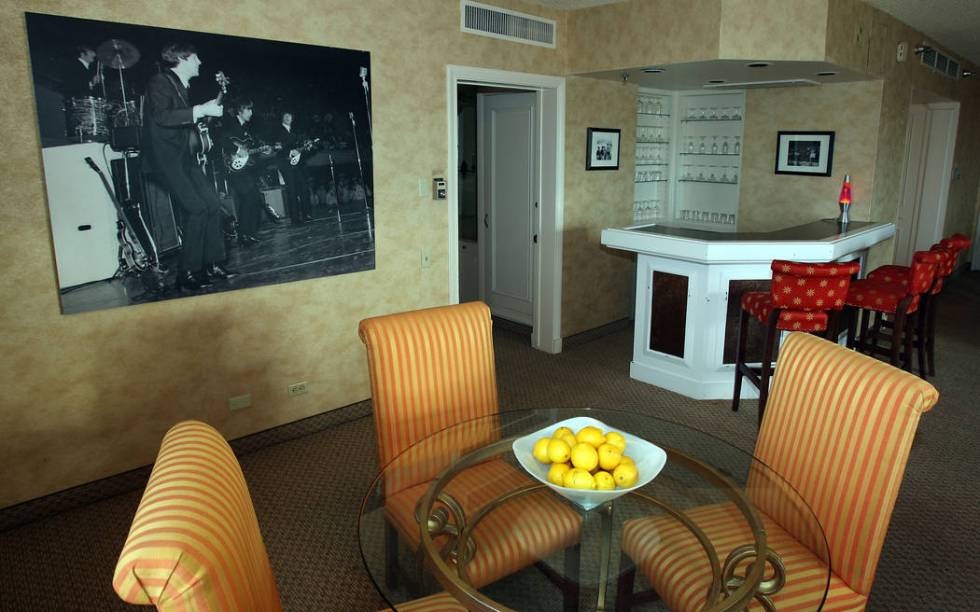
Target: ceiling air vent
{"x":486,"y":20}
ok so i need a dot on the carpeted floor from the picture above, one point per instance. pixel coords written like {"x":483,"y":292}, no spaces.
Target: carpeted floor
{"x":307,"y":491}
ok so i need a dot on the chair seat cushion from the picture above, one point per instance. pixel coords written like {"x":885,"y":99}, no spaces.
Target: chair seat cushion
{"x":511,"y":537}
{"x":672,"y":559}
{"x":759,"y":304}
{"x":879,"y":295}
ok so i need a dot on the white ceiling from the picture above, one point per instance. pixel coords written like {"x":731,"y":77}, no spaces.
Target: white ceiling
{"x":952,"y":25}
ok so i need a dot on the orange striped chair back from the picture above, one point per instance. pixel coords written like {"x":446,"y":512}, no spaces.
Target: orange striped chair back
{"x":430,"y":369}
{"x":195,"y":543}
{"x":838,"y":428}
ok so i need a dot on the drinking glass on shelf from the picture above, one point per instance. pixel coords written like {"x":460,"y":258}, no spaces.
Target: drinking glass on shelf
{"x":700,"y":173}
{"x":724,"y":146}
{"x":660,"y":134}
{"x":703,"y":114}
{"x":714,"y":145}
{"x":690,"y":144}
{"x":685,"y":214}
{"x":692,"y":112}
{"x":734,"y":176}
{"x":695,"y":215}
{"x":701,"y":147}
{"x":712,"y":176}
{"x":737,"y":114}
{"x":713,"y":114}
{"x":738,"y":145}
{"x":657,"y":175}
{"x":658,"y":108}
{"x":687,"y":173}
{"x":714,"y":217}
{"x":725,"y":114}
{"x":731,"y":219}
{"x":724,"y":176}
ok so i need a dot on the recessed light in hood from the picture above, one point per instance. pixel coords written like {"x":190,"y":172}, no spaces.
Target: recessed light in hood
{"x":762,"y":84}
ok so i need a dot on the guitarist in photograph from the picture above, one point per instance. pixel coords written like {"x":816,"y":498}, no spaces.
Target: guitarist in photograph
{"x":296,"y":194}
{"x":169,"y":129}
{"x":241,"y":150}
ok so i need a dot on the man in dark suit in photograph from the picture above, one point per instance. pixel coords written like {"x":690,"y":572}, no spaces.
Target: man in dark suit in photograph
{"x":296,"y":194}
{"x":81,"y":76}
{"x":236,"y":139}
{"x":169,"y":126}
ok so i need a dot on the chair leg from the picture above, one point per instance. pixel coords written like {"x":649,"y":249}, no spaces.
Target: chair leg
{"x":833,"y":326}
{"x":930,"y":334}
{"x":897,"y":336}
{"x":862,"y":338}
{"x":391,"y":555}
{"x":852,"y":313}
{"x":771,"y":335}
{"x":909,"y":338}
{"x":624,"y":586}
{"x":743,"y":333}
{"x":570,"y":591}
{"x":920,"y":340}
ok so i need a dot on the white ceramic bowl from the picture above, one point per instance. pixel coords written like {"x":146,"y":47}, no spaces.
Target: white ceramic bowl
{"x":649,"y":459}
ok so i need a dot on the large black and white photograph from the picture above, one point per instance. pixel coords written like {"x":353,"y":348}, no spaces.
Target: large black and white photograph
{"x":181,"y":163}
{"x":602,"y":149}
{"x":805,"y":153}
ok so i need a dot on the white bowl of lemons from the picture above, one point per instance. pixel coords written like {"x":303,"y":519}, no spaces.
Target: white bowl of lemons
{"x":587,"y":462}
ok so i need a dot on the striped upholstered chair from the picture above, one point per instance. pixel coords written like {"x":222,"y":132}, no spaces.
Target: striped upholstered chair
{"x":838,"y":429}
{"x":195,"y":543}
{"x":431,"y":369}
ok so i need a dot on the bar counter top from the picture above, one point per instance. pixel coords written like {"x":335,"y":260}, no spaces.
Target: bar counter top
{"x":825,"y":240}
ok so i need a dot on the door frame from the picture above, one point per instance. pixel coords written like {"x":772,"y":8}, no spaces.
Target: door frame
{"x":546,"y":334}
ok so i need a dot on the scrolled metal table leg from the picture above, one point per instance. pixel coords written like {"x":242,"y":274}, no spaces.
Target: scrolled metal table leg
{"x":767,"y":586}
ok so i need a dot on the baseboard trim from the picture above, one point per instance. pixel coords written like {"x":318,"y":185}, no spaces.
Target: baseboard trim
{"x":595,"y":333}
{"x":39,"y":508}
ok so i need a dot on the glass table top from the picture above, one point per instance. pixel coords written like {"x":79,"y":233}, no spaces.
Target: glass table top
{"x":497,"y":538}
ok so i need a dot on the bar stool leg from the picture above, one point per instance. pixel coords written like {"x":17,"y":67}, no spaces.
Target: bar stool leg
{"x":771,"y":335}
{"x":898,"y":329}
{"x":862,"y":338}
{"x":930,"y":340}
{"x":852,"y":313}
{"x":909,"y":338}
{"x":743,"y":333}
{"x":920,"y":338}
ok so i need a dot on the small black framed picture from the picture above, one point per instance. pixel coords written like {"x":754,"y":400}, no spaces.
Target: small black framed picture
{"x":602,"y":149}
{"x":809,"y":153}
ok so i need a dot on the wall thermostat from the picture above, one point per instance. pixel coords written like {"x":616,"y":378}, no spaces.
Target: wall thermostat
{"x":438,"y":188}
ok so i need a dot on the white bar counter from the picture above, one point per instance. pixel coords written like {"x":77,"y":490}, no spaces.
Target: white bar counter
{"x":685,"y":329}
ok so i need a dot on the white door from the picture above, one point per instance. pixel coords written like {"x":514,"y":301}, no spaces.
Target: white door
{"x":929,"y":165}
{"x":507,"y":202}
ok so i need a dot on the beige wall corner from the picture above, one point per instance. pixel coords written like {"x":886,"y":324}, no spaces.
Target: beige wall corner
{"x":596,"y":281}
{"x":773,"y":29}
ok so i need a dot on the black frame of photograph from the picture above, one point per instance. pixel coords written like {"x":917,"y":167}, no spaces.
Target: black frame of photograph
{"x":782,"y":154}
{"x":593,"y":163}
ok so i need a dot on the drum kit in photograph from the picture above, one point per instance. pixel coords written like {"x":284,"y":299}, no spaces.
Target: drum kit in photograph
{"x":93,"y":118}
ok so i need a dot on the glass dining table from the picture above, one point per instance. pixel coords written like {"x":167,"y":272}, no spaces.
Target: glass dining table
{"x":446,"y":472}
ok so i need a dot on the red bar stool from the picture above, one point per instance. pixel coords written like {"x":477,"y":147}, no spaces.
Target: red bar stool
{"x":801,"y":298}
{"x":949,"y":250}
{"x":897,"y":299}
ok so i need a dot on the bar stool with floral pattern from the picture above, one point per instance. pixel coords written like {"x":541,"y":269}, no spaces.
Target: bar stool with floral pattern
{"x":801,"y":298}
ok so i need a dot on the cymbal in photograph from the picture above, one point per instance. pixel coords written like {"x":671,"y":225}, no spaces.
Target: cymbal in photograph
{"x":117,"y":53}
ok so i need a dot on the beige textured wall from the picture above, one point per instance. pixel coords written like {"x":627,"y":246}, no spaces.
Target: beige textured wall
{"x":770,"y":201}
{"x":773,"y":29}
{"x":90,"y":395}
{"x":596,"y":281}
{"x":640,"y":33}
{"x":865,"y":39}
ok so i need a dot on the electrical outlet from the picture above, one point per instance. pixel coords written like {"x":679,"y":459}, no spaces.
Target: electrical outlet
{"x":239,"y":401}
{"x":296,"y":389}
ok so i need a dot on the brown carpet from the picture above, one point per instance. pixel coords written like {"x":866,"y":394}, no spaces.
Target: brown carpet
{"x":307,"y":491}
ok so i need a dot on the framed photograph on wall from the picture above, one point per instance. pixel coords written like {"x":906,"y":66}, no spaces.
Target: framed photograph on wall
{"x":602,"y":149}
{"x":809,"y":153}
{"x":271,"y":184}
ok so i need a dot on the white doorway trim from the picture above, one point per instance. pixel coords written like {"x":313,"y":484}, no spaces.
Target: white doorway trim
{"x":546,"y":335}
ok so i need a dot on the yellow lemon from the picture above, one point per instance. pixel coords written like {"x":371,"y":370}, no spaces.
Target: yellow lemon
{"x":577,"y":478}
{"x":616,"y":439}
{"x":585,"y":457}
{"x":627,"y":459}
{"x":540,"y":451}
{"x":591,"y":435}
{"x":604,"y":481}
{"x":558,"y":451}
{"x":556,"y":473}
{"x":561,"y":432}
{"x":567,"y":436}
{"x":625,"y":475}
{"x":609,"y":456}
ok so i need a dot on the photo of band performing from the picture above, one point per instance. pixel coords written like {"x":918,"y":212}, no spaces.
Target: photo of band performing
{"x":182,"y":163}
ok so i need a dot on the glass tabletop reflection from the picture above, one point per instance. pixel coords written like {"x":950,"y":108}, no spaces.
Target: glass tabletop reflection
{"x":457,"y":512}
